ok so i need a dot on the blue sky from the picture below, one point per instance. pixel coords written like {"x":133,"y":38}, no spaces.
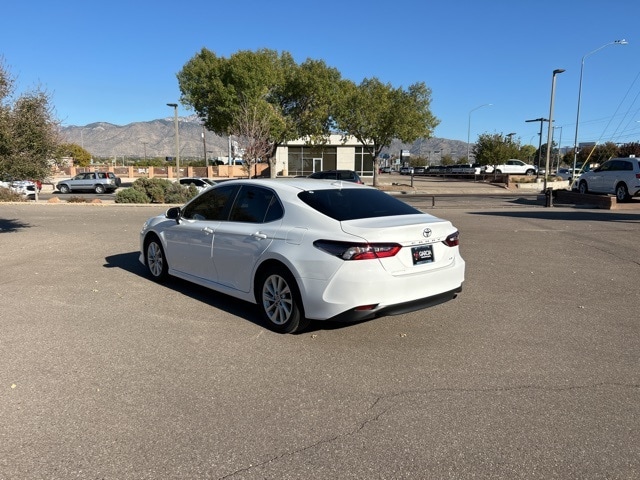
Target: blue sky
{"x":117,"y":61}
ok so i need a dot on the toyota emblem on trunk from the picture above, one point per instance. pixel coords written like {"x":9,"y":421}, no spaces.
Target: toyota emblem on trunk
{"x":426,"y":232}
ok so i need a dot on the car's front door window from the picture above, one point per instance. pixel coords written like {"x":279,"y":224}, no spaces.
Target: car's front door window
{"x":211,"y":205}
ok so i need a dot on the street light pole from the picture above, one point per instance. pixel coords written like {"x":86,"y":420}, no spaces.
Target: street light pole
{"x":175,"y":117}
{"x":204,"y":147}
{"x":469,"y":130}
{"x":550,"y":132}
{"x":575,"y":140}
{"x":541,"y":120}
{"x":559,"y":145}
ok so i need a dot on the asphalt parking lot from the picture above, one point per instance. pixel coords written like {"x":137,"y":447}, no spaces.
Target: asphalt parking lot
{"x":532,"y":372}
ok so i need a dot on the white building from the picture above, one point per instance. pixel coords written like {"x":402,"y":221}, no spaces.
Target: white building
{"x":297,"y":158}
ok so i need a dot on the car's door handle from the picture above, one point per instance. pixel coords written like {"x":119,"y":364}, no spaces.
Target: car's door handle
{"x":207,"y":230}
{"x":259,"y":235}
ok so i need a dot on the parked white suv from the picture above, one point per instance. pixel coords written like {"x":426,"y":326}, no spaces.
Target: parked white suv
{"x":618,"y":176}
{"x":514,"y":167}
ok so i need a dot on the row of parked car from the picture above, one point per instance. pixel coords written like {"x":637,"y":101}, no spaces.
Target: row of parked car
{"x":107,"y":182}
{"x":512,"y":167}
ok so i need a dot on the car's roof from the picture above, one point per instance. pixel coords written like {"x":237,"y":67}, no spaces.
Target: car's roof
{"x":297,"y":183}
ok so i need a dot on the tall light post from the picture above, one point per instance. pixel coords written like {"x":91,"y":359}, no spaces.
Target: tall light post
{"x":469,"y":130}
{"x":559,"y":145}
{"x":541,"y":120}
{"x":575,"y":140}
{"x":204,"y":146}
{"x":175,"y":118}
{"x":550,"y":131}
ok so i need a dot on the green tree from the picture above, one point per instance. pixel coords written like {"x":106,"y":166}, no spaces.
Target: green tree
{"x":376,"y":113}
{"x":295,"y":101}
{"x":527,"y":153}
{"x":597,"y":153}
{"x":606,"y":151}
{"x":494,"y":149}
{"x":447,"y":159}
{"x":81,"y":157}
{"x":28,"y":131}
{"x":629,"y":149}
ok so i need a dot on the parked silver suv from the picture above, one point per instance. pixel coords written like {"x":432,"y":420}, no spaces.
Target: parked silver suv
{"x":618,"y":176}
{"x":99,"y":182}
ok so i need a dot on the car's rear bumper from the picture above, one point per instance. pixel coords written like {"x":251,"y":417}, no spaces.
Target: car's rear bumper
{"x":356,"y":315}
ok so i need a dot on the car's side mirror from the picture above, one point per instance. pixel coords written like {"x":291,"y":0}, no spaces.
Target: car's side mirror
{"x":173,"y":214}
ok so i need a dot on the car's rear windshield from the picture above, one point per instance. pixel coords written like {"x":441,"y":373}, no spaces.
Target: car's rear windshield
{"x":354,"y":203}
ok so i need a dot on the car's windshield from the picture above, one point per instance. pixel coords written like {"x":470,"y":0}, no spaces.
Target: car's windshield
{"x":354,"y":203}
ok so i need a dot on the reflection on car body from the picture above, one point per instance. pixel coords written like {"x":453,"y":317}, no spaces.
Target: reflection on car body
{"x":345,"y":175}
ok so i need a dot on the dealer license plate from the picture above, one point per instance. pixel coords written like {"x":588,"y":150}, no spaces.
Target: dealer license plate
{"x":422,"y":254}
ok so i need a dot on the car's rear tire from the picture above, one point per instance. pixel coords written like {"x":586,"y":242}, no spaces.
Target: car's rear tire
{"x":622,"y":193}
{"x":99,"y":188}
{"x":498,"y":171}
{"x":63,"y":188}
{"x":155,"y":259}
{"x":279,"y":301}
{"x":583,"y":188}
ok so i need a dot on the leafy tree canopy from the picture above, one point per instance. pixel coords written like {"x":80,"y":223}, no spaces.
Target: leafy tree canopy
{"x":375,"y":113}
{"x":81,"y":157}
{"x":28,"y":131}
{"x":296,"y":100}
{"x":494,"y":149}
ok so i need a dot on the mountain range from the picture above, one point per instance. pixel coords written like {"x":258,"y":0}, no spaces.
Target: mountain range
{"x":156,"y":138}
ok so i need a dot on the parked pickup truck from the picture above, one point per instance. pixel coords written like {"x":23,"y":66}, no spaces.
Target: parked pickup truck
{"x":512,"y":167}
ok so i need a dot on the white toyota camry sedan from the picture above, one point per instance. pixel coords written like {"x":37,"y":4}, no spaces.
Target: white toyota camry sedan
{"x":305,"y":249}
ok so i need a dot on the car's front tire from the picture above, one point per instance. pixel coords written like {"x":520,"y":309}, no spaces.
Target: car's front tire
{"x":622,"y":193}
{"x":155,"y":259}
{"x":530,"y":172}
{"x":99,"y":188}
{"x":279,"y":301}
{"x":63,"y":188}
{"x":582,"y":187}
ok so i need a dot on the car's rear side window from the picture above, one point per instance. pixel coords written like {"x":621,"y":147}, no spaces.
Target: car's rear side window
{"x":256,"y":205}
{"x":354,"y":203}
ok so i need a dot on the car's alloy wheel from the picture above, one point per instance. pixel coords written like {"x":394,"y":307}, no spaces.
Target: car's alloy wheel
{"x":279,"y":301}
{"x":64,"y":189}
{"x":155,"y":259}
{"x":99,"y":189}
{"x":622,"y":193}
{"x":582,"y":188}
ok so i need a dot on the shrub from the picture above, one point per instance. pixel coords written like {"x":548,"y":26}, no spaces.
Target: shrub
{"x":77,"y":200}
{"x":131,"y":195}
{"x":6,"y":195}
{"x":156,"y":190}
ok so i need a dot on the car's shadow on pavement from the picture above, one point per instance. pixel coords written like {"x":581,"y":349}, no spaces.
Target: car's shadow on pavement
{"x":248,"y":311}
{"x":564,"y":215}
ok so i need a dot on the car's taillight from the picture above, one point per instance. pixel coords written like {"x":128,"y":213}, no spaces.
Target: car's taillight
{"x":638,"y":176}
{"x":357,"y":251}
{"x":452,"y":240}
